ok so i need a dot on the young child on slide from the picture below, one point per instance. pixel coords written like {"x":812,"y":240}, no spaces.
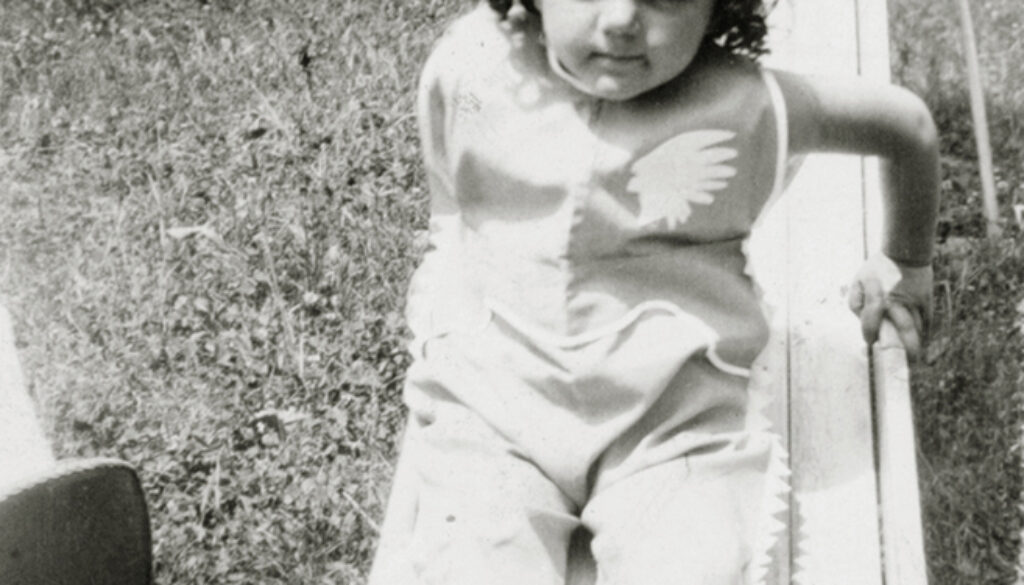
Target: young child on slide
{"x":584,"y":322}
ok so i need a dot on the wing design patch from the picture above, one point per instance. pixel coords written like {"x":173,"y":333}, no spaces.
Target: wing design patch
{"x":684,"y":170}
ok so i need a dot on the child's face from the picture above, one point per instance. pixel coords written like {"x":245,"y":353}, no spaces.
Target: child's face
{"x":619,"y":49}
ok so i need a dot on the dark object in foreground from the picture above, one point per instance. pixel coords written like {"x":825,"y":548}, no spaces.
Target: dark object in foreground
{"x":83,"y":522}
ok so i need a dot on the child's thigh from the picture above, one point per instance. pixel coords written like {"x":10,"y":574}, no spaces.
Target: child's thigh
{"x":679,"y":522}
{"x":482,"y":513}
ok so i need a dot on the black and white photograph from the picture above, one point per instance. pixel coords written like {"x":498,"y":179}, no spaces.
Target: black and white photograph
{"x":511,"y":292}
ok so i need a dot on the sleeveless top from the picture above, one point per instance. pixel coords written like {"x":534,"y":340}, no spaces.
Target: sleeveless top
{"x":571,"y":216}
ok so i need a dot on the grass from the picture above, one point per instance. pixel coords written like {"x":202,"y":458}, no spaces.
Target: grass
{"x":210,"y":213}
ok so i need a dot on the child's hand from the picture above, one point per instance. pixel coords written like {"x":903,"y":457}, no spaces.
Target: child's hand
{"x":884,"y":289}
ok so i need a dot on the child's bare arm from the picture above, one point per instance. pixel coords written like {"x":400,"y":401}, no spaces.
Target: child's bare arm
{"x":894,"y":124}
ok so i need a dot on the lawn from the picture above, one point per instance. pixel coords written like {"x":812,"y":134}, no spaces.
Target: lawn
{"x":210,"y":211}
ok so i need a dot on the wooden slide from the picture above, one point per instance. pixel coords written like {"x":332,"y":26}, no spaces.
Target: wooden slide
{"x":854,"y":514}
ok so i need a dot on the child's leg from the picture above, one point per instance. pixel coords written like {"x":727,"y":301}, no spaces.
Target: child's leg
{"x":469,"y":510}
{"x":390,"y":563}
{"x":692,"y":520}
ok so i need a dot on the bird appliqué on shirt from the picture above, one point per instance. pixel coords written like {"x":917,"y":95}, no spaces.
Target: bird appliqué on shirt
{"x":681,"y":172}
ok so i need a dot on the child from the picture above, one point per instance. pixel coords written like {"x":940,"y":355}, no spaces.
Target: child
{"x":584,"y":324}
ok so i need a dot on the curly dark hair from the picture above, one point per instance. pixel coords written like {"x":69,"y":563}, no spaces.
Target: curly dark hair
{"x":738,"y":26}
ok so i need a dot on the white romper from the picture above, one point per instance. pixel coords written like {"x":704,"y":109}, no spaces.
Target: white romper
{"x":584,"y":323}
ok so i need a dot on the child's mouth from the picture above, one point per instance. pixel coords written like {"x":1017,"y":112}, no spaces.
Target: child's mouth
{"x":619,"y":60}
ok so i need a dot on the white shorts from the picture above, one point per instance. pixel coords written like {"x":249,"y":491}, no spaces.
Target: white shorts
{"x":467,"y":509}
{"x":519,"y":451}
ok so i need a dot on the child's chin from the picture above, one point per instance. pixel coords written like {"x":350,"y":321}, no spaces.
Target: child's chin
{"x":616,"y":90}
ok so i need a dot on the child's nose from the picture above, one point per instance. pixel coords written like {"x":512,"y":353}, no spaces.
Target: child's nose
{"x":620,"y":17}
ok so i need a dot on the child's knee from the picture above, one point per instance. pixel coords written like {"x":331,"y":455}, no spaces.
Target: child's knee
{"x":465,"y":539}
{"x":709,"y":555}
{"x":665,"y":526}
{"x":481,"y":513}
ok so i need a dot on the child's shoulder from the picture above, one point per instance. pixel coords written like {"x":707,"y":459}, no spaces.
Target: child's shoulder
{"x":475,"y":39}
{"x":716,"y":62}
{"x":474,"y":25}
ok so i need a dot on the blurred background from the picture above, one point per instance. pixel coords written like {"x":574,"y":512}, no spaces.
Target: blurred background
{"x":209,"y":211}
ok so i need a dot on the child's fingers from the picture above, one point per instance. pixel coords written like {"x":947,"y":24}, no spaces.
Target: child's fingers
{"x":872,"y":309}
{"x":908,"y":327}
{"x":919,"y":308}
{"x":855,"y":298}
